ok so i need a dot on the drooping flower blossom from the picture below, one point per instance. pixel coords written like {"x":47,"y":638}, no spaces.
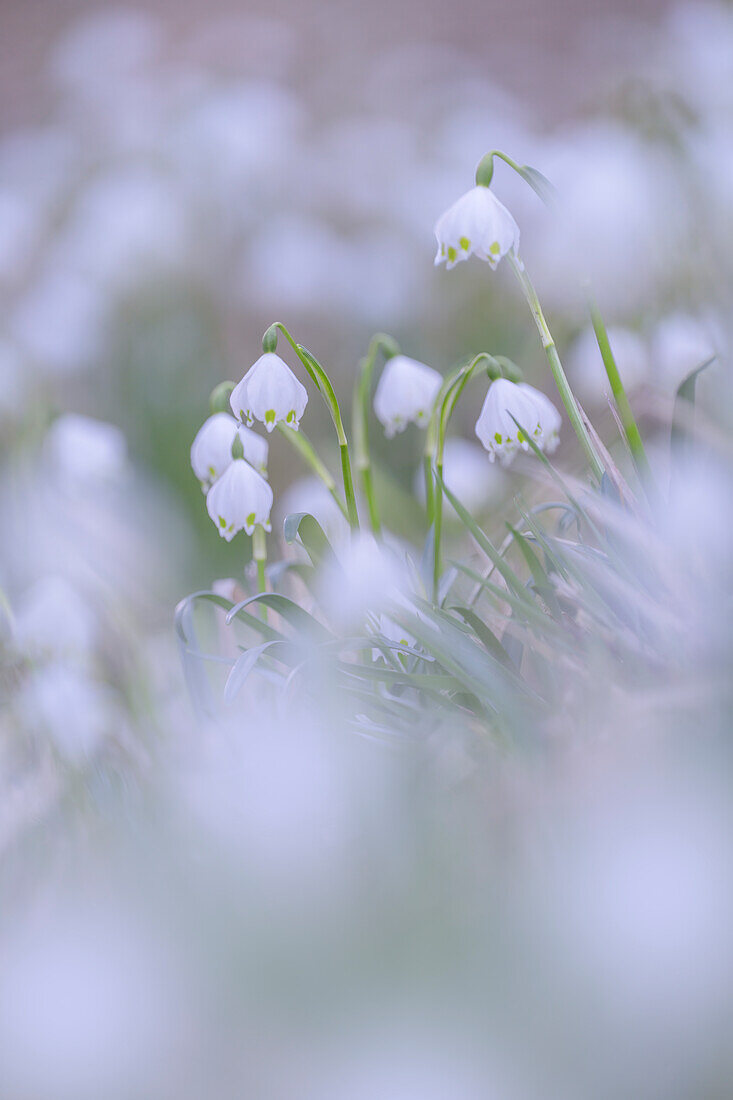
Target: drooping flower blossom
{"x":405,"y":394}
{"x":211,"y":450}
{"x":239,"y":500}
{"x":477,"y":224}
{"x":508,"y":404}
{"x":270,"y":393}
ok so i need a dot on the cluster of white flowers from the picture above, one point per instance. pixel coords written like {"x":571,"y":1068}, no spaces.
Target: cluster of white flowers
{"x":238,"y":496}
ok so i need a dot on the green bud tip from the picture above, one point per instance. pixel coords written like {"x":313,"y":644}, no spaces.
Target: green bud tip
{"x":390,"y":347}
{"x":237,"y":447}
{"x":269,"y":340}
{"x":485,"y":171}
{"x":509,"y":369}
{"x":219,"y":399}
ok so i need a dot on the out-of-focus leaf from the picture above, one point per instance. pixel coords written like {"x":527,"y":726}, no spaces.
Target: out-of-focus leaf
{"x":300,"y":619}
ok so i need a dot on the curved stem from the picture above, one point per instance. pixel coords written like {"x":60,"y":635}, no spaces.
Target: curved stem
{"x":323,"y":383}
{"x":563,"y":386}
{"x":445,"y":403}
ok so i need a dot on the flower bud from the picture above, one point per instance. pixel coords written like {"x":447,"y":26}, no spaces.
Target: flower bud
{"x":269,"y":340}
{"x":476,"y":225}
{"x":270,"y":393}
{"x":241,"y":499}
{"x":405,"y":393}
{"x":507,"y":405}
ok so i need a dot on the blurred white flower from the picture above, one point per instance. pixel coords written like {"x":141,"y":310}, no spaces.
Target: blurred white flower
{"x":240,"y":499}
{"x":506,"y":403}
{"x":367,"y":578}
{"x":62,"y":321}
{"x":476,"y":225}
{"x":405,"y":394}
{"x":211,"y":450}
{"x":53,"y":616}
{"x":63,"y":705}
{"x":394,"y":633}
{"x":83,"y":451}
{"x":585,"y":363}
{"x":680,"y":343}
{"x":269,"y":392}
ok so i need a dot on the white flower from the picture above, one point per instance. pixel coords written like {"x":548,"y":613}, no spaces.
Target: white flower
{"x":406,"y":392}
{"x":241,"y":498}
{"x":506,"y":403}
{"x":269,"y":392}
{"x":476,"y":225}
{"x":211,"y":450}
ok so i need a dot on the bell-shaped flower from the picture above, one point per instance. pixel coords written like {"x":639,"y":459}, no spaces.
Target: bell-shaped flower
{"x":211,"y":450}
{"x":270,"y":393}
{"x":510,"y":414}
{"x":476,"y":225}
{"x":241,"y":499}
{"x":405,"y":393}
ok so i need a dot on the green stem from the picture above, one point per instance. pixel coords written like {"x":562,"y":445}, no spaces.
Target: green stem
{"x":450,"y":391}
{"x":259,"y":554}
{"x":563,"y":386}
{"x":300,"y":442}
{"x":325,"y":388}
{"x":360,"y":423}
{"x":631,"y":429}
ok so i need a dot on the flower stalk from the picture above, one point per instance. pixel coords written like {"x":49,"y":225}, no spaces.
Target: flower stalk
{"x":325,"y":388}
{"x":563,"y":386}
{"x":259,"y":556}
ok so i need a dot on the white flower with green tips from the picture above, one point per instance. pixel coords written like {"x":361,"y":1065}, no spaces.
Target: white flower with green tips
{"x":476,"y":225}
{"x":211,"y":450}
{"x":270,"y":393}
{"x":405,"y":394}
{"x":240,"y":500}
{"x":511,"y":412}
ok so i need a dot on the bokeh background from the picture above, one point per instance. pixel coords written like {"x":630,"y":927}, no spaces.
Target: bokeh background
{"x":264,"y":911}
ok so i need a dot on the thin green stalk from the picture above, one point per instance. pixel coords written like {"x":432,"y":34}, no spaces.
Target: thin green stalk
{"x":323,"y":383}
{"x":448,"y":395}
{"x":563,"y":386}
{"x":631,"y":429}
{"x":259,"y":554}
{"x":308,"y":453}
{"x":360,"y":423}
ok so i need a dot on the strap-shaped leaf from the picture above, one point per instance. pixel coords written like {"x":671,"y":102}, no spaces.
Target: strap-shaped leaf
{"x":312,"y":536}
{"x":247,"y":661}
{"x":301,"y":620}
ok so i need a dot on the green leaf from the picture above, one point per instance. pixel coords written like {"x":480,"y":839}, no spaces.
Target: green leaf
{"x":485,"y":635}
{"x":539,"y":184}
{"x":483,"y":541}
{"x":247,"y":662}
{"x":300,"y":619}
{"x":312,"y":536}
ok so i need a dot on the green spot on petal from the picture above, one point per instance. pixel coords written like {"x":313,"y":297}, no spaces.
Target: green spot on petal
{"x":251,"y":519}
{"x":465,"y":243}
{"x":270,"y":416}
{"x":495,"y":248}
{"x":498,"y":437}
{"x":222,"y":521}
{"x":452,"y":254}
